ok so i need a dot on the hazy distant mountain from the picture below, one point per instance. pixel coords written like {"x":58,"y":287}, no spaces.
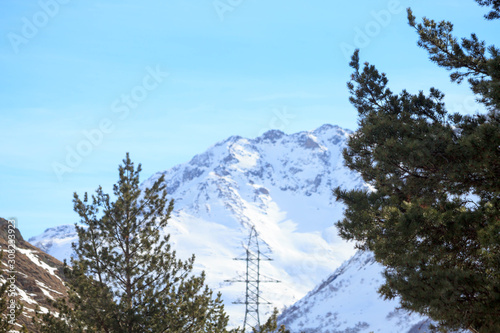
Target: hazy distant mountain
{"x":57,"y":241}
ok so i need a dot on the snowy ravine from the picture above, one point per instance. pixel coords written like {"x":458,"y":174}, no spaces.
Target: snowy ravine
{"x":281,"y":184}
{"x":348,"y":302}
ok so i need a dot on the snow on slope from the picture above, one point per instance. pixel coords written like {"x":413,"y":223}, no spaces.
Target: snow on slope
{"x":281,"y":184}
{"x":348,"y":302}
{"x":33,"y":275}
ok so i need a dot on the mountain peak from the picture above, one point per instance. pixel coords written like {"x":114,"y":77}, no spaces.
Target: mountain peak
{"x":328,"y":127}
{"x":271,"y":135}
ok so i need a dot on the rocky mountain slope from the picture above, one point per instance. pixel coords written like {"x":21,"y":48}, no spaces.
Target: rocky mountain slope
{"x":36,"y":276}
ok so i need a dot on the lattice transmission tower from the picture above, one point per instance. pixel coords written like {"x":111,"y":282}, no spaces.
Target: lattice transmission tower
{"x":252,"y":281}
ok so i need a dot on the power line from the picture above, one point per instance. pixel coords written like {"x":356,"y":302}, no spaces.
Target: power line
{"x":252,"y":281}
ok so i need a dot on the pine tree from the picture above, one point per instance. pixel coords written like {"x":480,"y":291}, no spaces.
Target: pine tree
{"x":271,"y":325}
{"x":433,"y":217}
{"x":126,"y":277}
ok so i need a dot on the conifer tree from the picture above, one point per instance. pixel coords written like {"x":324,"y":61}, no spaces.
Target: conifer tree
{"x":271,"y":325}
{"x":126,"y":277}
{"x":433,"y":216}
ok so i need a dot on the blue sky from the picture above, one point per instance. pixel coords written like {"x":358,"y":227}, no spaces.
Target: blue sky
{"x":166,"y":79}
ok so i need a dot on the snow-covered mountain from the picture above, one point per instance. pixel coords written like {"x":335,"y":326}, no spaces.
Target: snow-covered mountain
{"x":57,"y":241}
{"x":279,"y":183}
{"x":348,"y":302}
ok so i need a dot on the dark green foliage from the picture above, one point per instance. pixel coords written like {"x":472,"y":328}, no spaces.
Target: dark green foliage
{"x":470,"y":58}
{"x":433,"y":219}
{"x":127,"y":277}
{"x":89,"y":308}
{"x":495,"y":4}
{"x":271,"y":325}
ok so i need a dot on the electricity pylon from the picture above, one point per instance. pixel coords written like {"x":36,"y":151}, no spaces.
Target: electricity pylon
{"x":252,"y":280}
